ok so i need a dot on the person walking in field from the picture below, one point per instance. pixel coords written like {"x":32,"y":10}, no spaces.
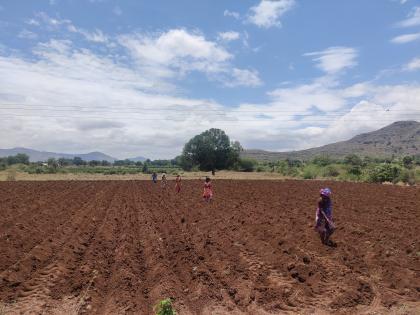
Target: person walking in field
{"x":163,"y":182}
{"x":208,"y":190}
{"x":324,"y":223}
{"x":178,"y":183}
{"x":154,"y":177}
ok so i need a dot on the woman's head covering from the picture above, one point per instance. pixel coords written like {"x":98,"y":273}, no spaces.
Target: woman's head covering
{"x":325,"y":192}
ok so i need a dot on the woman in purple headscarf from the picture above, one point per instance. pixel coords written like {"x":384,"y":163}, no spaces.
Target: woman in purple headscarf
{"x":324,"y":221}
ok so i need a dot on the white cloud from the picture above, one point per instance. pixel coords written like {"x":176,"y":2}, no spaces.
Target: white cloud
{"x":178,"y":52}
{"x":268,"y":12}
{"x":53,"y":48}
{"x":93,"y":102}
{"x":42,"y":19}
{"x":76,"y":99}
{"x":60,"y":56}
{"x":167,"y":55}
{"x":413,"y":65}
{"x":233,"y":14}
{"x":406,"y":38}
{"x":50,"y":22}
{"x":412,"y":19}
{"x":244,"y":77}
{"x":96,"y":36}
{"x":32,"y":22}
{"x":173,"y":46}
{"x":320,"y":94}
{"x":335,"y":59}
{"x":25,"y":34}
{"x":323,"y":112}
{"x":112,"y":102}
{"x":229,"y":36}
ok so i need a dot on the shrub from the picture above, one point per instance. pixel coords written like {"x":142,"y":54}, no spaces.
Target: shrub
{"x":407,"y":177}
{"x":34,"y":169}
{"x":353,"y":159}
{"x":355,"y":170}
{"x":293,"y":163}
{"x":247,"y":165}
{"x":94,"y":163}
{"x":289,"y":167}
{"x":51,"y":170}
{"x":384,"y":173}
{"x":110,"y":172}
{"x":52,"y":163}
{"x":408,"y":161}
{"x":322,"y":160}
{"x":293,"y":171}
{"x":260,"y":169}
{"x":145,"y":169}
{"x":310,"y":172}
{"x":366,"y":160}
{"x":164,"y":307}
{"x":349,"y":177}
{"x":417,"y":176}
{"x":78,"y":161}
{"x":330,"y":171}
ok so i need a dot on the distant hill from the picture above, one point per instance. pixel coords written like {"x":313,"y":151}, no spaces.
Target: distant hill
{"x":138,"y":159}
{"x":35,"y":156}
{"x":399,"y":138}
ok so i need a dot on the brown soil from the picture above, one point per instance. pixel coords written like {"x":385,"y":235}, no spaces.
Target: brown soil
{"x":117,"y":247}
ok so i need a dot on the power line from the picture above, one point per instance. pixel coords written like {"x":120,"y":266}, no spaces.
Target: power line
{"x":214,"y":120}
{"x":192,"y":111}
{"x":106,"y":108}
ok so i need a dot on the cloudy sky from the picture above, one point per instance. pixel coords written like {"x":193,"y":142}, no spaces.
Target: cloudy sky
{"x":138,"y":77}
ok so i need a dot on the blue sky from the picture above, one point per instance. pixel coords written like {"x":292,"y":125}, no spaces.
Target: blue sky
{"x":142,"y":77}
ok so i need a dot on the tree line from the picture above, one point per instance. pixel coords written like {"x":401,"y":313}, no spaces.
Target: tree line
{"x":213,"y":150}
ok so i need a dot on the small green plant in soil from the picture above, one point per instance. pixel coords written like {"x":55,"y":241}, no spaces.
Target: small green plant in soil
{"x":164,"y":307}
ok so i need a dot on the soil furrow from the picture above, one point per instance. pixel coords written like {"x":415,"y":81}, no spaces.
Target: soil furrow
{"x":118,"y":247}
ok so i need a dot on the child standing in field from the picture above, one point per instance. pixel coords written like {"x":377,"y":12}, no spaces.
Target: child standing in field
{"x":324,"y":221}
{"x":178,"y":183}
{"x":208,"y":190}
{"x":163,"y":183}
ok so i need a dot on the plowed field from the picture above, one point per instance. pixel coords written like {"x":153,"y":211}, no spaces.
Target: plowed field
{"x":117,"y":247}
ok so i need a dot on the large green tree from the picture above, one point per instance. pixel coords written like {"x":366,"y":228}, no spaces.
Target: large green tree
{"x":210,"y":150}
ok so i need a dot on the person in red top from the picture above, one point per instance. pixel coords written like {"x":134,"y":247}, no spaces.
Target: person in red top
{"x":208,"y":191}
{"x":178,"y":183}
